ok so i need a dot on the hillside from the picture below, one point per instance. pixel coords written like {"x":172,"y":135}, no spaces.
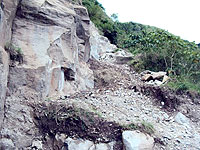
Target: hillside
{"x":155,"y":49}
{"x":64,"y":85}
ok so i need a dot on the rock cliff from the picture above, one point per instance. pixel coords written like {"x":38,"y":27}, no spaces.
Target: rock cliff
{"x":53,"y":40}
{"x":7,"y":14}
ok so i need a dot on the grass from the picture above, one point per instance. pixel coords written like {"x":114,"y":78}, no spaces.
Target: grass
{"x":144,"y":127}
{"x":184,"y":84}
{"x":116,"y":50}
{"x":15,"y":52}
{"x":11,"y":47}
{"x":147,"y":127}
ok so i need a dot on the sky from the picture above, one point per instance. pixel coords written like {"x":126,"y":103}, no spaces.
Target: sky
{"x":180,"y":17}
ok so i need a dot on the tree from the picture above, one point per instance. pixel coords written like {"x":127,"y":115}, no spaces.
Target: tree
{"x":114,"y":17}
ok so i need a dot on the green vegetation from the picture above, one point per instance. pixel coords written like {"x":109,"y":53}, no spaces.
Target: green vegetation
{"x":154,"y":49}
{"x":159,"y":50}
{"x":144,"y":127}
{"x":15,"y":52}
{"x":100,"y":19}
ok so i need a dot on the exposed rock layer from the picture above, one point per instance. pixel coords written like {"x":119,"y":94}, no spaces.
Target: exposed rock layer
{"x":53,"y":36}
{"x":7,"y":14}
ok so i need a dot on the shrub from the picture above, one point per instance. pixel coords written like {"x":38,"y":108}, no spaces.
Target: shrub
{"x":16,"y":53}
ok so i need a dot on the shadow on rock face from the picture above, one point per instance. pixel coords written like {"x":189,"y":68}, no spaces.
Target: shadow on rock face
{"x":69,"y":74}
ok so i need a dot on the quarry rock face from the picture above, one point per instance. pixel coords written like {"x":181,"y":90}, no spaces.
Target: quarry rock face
{"x":7,"y":14}
{"x":51,"y":53}
{"x":100,"y":45}
{"x":54,"y":38}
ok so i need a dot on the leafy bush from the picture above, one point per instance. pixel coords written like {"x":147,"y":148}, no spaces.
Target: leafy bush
{"x":162,"y":51}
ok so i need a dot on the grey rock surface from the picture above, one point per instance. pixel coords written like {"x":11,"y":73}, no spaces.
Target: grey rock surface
{"x":100,"y":45}
{"x":53,"y":36}
{"x":80,"y":144}
{"x":181,"y":119}
{"x":134,"y":140}
{"x":6,"y":144}
{"x":7,"y":14}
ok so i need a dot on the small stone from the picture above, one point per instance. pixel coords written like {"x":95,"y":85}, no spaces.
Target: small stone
{"x":6,"y":144}
{"x":79,"y":144}
{"x":162,"y":103}
{"x":103,"y":146}
{"x":60,"y":137}
{"x":181,"y":119}
{"x":62,"y":97}
{"x":146,"y":77}
{"x":157,"y":82}
{"x":37,"y":144}
{"x":93,"y":95}
{"x":166,"y":116}
{"x":165,"y":79}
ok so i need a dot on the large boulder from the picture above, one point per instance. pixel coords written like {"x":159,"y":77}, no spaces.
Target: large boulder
{"x":134,"y":140}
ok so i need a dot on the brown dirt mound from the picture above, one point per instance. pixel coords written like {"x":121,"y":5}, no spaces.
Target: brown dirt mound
{"x":161,"y":94}
{"x":57,"y":118}
{"x":108,"y":76}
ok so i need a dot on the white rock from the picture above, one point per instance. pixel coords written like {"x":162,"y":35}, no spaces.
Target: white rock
{"x":158,"y":75}
{"x":181,"y":119}
{"x":37,"y":144}
{"x":60,"y":137}
{"x":103,"y":146}
{"x":134,"y":140}
{"x":6,"y":144}
{"x":157,"y":82}
{"x":79,"y":144}
{"x":99,"y":45}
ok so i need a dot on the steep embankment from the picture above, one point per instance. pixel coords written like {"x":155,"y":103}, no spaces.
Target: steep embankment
{"x":64,"y":86}
{"x":45,"y":49}
{"x":7,"y":14}
{"x":53,"y":39}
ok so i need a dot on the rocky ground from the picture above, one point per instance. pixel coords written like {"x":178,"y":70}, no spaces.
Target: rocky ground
{"x":58,"y":58}
{"x":117,"y":98}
